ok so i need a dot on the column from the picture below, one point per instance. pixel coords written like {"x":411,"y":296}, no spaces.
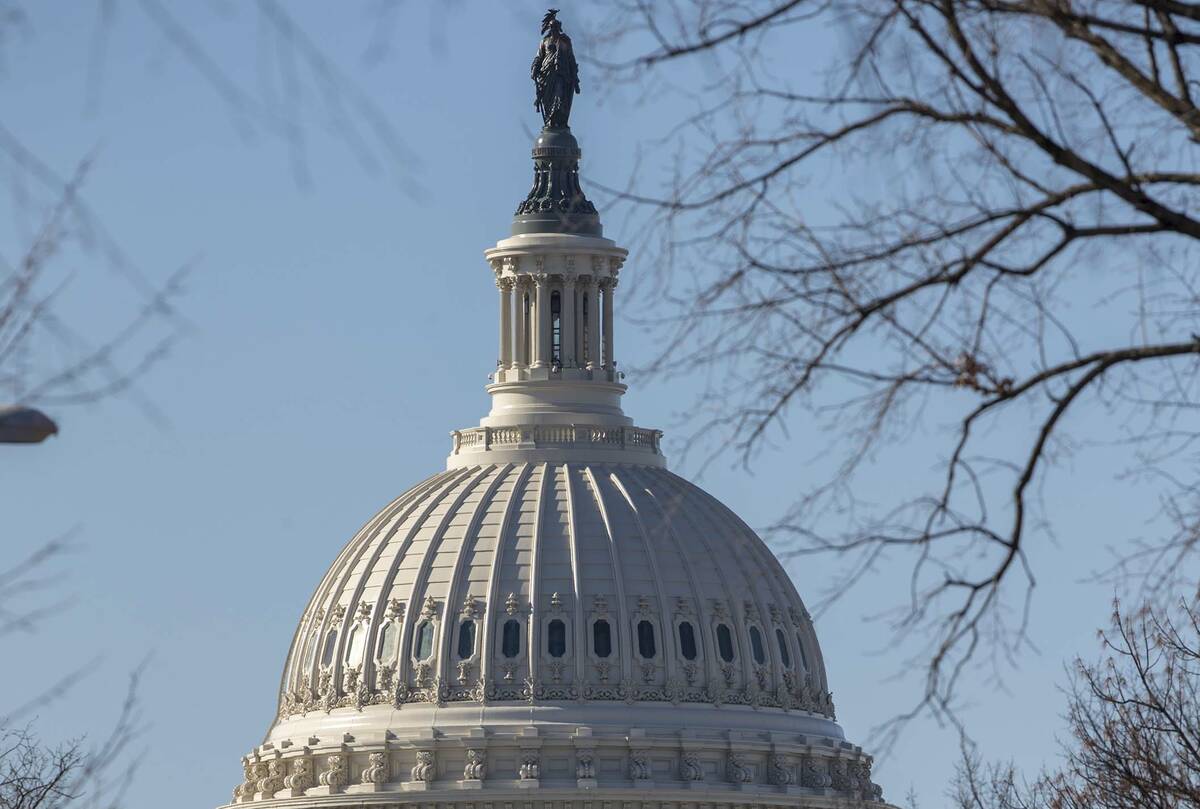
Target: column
{"x":541,"y":320}
{"x":580,"y":342}
{"x":609,"y":287}
{"x":506,"y":332}
{"x":593,"y":325}
{"x":521,"y":355}
{"x":568,"y":321}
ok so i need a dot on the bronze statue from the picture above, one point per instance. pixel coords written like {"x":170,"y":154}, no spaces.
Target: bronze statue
{"x":555,"y":73}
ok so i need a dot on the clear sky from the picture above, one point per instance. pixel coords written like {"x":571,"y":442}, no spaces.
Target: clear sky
{"x":340,"y":323}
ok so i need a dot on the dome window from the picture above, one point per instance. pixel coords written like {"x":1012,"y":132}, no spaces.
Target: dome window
{"x":556,"y":638}
{"x":387,"y":642}
{"x":356,"y":645}
{"x":466,"y":639}
{"x":687,"y":641}
{"x":602,"y":638}
{"x":423,"y":641}
{"x":330,"y":648}
{"x":800,"y":647}
{"x":646,"y":647}
{"x":310,"y":654}
{"x":725,"y":643}
{"x":756,"y":646}
{"x":784,"y":654}
{"x":510,"y":642}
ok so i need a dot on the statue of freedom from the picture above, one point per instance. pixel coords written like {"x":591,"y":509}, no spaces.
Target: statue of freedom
{"x":555,"y":73}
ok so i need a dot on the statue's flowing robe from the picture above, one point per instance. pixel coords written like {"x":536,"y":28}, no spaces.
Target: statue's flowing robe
{"x":556,"y":76}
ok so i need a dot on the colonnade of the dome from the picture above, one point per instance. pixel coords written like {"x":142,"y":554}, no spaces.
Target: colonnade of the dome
{"x":556,"y":314}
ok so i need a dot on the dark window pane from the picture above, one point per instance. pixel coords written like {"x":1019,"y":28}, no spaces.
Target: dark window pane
{"x":555,"y":327}
{"x":423,"y":641}
{"x":466,"y":639}
{"x":602,"y":638}
{"x":511,"y":643}
{"x":725,"y":643}
{"x":646,"y":639}
{"x":556,"y":638}
{"x":687,"y":641}
{"x":784,"y":654}
{"x":330,"y":647}
{"x":756,"y":646}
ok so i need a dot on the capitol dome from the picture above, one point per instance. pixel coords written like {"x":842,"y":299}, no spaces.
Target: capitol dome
{"x":556,"y":618}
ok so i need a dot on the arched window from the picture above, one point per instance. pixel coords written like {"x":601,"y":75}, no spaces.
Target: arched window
{"x":556,"y":638}
{"x":466,"y":639}
{"x":556,"y":328}
{"x":356,"y":644}
{"x":602,"y":638}
{"x":423,"y":641}
{"x":310,"y":654}
{"x":687,"y":641}
{"x":800,"y":647}
{"x":724,"y":643}
{"x":510,"y":641}
{"x":646,"y":647}
{"x":330,"y":648}
{"x":784,"y":655}
{"x":387,"y":642}
{"x":756,"y":646}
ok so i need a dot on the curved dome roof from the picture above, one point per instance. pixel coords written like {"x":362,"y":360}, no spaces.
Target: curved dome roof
{"x":548,"y":581}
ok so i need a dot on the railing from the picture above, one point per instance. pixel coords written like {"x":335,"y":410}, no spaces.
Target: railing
{"x":557,"y":436}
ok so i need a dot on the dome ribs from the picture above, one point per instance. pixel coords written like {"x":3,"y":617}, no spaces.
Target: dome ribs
{"x":487,"y":640}
{"x":456,"y":592}
{"x":625,"y":651}
{"x":579,"y":632}
{"x":328,"y":594}
{"x":419,"y":589}
{"x":695,"y":595}
{"x":666,"y":641}
{"x":533,"y":630}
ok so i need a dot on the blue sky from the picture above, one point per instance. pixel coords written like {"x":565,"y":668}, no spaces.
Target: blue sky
{"x":339,"y":322}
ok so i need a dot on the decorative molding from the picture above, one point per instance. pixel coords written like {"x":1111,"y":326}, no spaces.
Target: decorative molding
{"x":426,"y":767}
{"x":336,"y":772}
{"x":476,"y":765}
{"x":690,"y":768}
{"x":377,"y":769}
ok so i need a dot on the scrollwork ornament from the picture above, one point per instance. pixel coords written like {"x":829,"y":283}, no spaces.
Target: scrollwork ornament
{"x":301,"y":776}
{"x":639,"y":765}
{"x":780,"y":772}
{"x":476,"y":765}
{"x":245,"y":790}
{"x":376,"y":771}
{"x":585,"y":765}
{"x":426,"y":767}
{"x":738,"y":770}
{"x":814,"y":773}
{"x":530,"y":768}
{"x":335,"y":774}
{"x":272,"y":781}
{"x":690,"y":768}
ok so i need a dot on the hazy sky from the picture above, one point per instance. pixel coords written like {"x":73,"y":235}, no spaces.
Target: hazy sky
{"x":340,"y":323}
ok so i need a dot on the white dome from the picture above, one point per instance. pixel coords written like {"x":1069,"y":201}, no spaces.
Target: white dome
{"x":453,"y":560}
{"x":454,"y":643}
